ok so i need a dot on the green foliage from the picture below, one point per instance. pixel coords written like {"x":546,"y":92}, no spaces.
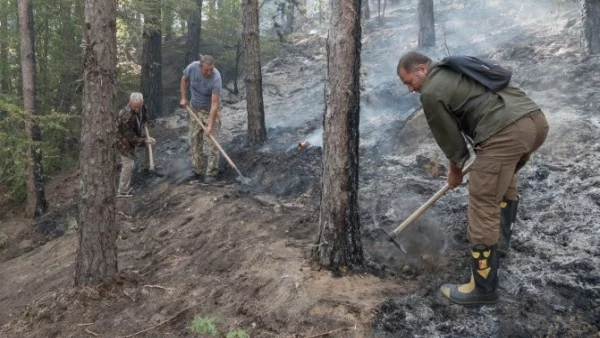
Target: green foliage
{"x":239,"y":333}
{"x":204,"y":326}
{"x":14,"y":145}
{"x":13,"y":149}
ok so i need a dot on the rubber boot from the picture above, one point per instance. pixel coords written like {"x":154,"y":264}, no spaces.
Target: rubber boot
{"x":482,"y":287}
{"x":508,"y":215}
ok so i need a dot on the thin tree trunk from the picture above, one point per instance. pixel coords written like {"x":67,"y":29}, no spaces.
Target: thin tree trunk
{"x":96,"y":260}
{"x":365,"y":10}
{"x":239,"y":52}
{"x":168,"y":19}
{"x":290,"y":19}
{"x":151,"y":79}
{"x":590,"y":12}
{"x":36,"y":199}
{"x":5,"y":76}
{"x":339,"y":245}
{"x":193,"y":33}
{"x":426,"y":24}
{"x":257,"y":132}
{"x":71,"y":54}
{"x":42,"y":57}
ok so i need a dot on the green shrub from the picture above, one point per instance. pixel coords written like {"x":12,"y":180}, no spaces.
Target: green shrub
{"x":239,"y":333}
{"x":204,"y":326}
{"x":14,"y":145}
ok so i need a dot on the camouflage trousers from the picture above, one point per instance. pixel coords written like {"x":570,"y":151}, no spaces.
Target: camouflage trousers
{"x":196,"y":137}
{"x":127,"y":165}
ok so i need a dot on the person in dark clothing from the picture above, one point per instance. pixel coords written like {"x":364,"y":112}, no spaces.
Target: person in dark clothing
{"x":505,"y":128}
{"x":130,"y":123}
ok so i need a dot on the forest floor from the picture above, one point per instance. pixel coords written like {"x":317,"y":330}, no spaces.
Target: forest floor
{"x":239,"y":255}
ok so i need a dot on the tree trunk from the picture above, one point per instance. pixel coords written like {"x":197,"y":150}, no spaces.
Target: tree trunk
{"x":339,"y":244}
{"x":290,"y":18}
{"x":257,"y":132}
{"x":151,"y":79}
{"x":42,"y":58}
{"x":36,"y":199}
{"x":365,"y":9}
{"x":71,"y":55}
{"x":5,"y":76}
{"x":239,"y":52}
{"x":192,"y":43}
{"x":426,"y":24}
{"x":590,"y":12}
{"x":168,"y":20}
{"x":96,"y":260}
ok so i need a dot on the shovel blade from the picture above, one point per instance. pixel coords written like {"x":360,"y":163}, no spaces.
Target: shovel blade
{"x":243,"y":180}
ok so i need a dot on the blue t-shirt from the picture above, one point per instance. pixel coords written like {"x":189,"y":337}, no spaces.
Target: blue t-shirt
{"x":200,"y":87}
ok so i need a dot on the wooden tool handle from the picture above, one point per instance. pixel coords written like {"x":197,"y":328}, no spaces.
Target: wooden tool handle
{"x":427,"y":204}
{"x":150,"y":155}
{"x":212,"y":139}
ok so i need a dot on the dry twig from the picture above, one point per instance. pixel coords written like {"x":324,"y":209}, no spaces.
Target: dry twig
{"x":87,"y":329}
{"x":159,"y":287}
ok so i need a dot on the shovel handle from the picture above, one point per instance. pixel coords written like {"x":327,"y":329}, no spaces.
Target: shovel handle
{"x":150,"y":155}
{"x":427,"y":204}
{"x":212,"y":139}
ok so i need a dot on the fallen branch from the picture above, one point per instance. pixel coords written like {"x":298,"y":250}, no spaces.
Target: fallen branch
{"x":87,"y":329}
{"x":159,"y":287}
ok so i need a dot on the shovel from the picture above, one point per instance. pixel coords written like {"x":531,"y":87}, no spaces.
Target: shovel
{"x":426,"y":205}
{"x":151,"y":167}
{"x":150,"y":155}
{"x":240,"y":178}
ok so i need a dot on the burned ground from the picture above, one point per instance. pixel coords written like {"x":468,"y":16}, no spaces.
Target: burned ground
{"x":241,"y":251}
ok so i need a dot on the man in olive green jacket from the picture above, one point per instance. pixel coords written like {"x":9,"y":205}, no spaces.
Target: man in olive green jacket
{"x":504,"y":128}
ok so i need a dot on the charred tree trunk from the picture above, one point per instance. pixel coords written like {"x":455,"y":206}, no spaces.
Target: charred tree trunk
{"x":257,"y":132}
{"x":426,"y":24}
{"x":96,"y":260}
{"x":192,"y":43}
{"x":590,"y":12}
{"x":36,"y":198}
{"x":151,"y":79}
{"x":339,"y":245}
{"x":5,"y":76}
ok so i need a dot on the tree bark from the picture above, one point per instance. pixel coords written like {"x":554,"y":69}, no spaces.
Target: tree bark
{"x":151,"y":77}
{"x":257,"y":132}
{"x":36,"y":199}
{"x":590,"y":12}
{"x":339,"y":244}
{"x":192,"y":43}
{"x":426,"y":24}
{"x":96,"y":260}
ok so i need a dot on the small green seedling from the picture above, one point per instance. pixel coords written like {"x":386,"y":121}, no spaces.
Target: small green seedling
{"x":204,"y":326}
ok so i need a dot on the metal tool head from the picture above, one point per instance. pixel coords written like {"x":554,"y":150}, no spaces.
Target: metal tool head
{"x":243,"y":180}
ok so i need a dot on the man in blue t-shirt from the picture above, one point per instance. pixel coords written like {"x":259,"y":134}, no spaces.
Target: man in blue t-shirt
{"x":204,"y":83}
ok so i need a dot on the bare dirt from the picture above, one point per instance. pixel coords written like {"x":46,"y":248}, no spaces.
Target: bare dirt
{"x":241,"y":252}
